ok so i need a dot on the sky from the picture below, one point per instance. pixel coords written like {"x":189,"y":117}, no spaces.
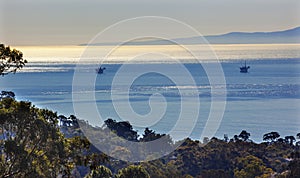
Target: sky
{"x":73,"y":22}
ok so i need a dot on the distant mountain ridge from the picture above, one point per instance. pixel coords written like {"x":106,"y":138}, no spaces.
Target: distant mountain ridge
{"x":285,"y":36}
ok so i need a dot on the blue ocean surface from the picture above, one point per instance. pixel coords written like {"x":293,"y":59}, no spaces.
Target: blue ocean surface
{"x":265,"y":99}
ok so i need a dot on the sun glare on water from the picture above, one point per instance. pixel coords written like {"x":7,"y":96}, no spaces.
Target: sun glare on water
{"x":72,"y":54}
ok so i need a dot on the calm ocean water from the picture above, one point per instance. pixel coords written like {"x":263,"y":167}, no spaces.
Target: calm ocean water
{"x":266,"y":99}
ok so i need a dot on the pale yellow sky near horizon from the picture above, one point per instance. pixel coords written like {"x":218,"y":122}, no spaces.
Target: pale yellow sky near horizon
{"x":73,"y":22}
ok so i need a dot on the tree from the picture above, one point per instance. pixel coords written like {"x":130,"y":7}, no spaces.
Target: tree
{"x":235,"y":138}
{"x":298,"y":137}
{"x":294,"y":165}
{"x":159,"y":169}
{"x":215,"y":173}
{"x":32,"y":145}
{"x":272,"y":136}
{"x":7,"y":94}
{"x":100,"y":172}
{"x":74,"y":121}
{"x":123,"y":129}
{"x":226,"y":138}
{"x":251,"y":166}
{"x":10,"y":60}
{"x":150,"y":135}
{"x":63,"y":120}
{"x":133,"y":171}
{"x":290,"y":139}
{"x":244,"y":135}
{"x":205,"y":140}
{"x":280,"y":140}
{"x":294,"y":168}
{"x":162,"y":142}
{"x":95,"y":159}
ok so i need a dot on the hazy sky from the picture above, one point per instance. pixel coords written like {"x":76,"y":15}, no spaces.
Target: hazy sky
{"x":71,"y":22}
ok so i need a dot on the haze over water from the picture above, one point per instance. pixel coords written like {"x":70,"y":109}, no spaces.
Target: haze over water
{"x":72,"y":54}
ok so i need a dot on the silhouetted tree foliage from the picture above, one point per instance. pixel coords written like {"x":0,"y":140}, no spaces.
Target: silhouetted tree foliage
{"x":298,"y":137}
{"x":226,"y":138}
{"x":290,"y":139}
{"x":63,"y":120}
{"x":10,"y":60}
{"x":162,"y":141}
{"x":244,"y":135}
{"x":74,"y":121}
{"x":7,"y":94}
{"x":123,"y":129}
{"x":150,"y":135}
{"x":68,"y":121}
{"x":272,"y":136}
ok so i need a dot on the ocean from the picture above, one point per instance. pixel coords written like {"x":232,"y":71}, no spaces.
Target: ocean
{"x":265,"y":99}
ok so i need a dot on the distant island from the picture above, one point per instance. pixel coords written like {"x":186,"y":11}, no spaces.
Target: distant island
{"x":281,"y":37}
{"x":286,"y":36}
